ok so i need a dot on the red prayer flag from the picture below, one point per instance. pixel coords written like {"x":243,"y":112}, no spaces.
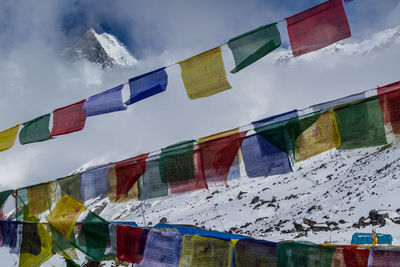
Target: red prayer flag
{"x":218,"y":155}
{"x":318,"y":27}
{"x":68,"y":119}
{"x":355,"y":257}
{"x":130,"y":243}
{"x":389,"y":100}
{"x":128,"y":172}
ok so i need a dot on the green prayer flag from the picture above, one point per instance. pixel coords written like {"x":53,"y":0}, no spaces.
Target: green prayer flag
{"x":4,"y":196}
{"x":71,"y":186}
{"x":93,"y":237}
{"x":71,"y":263}
{"x":36,"y":130}
{"x":177,"y":163}
{"x":253,"y":45}
{"x":361,"y":124}
{"x":304,"y":254}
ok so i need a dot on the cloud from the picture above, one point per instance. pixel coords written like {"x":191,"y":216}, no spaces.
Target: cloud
{"x":35,"y":79}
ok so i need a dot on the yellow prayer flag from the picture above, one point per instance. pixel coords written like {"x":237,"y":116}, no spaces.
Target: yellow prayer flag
{"x":204,"y":74}
{"x":321,"y":136}
{"x":112,"y":190}
{"x":218,"y":135}
{"x":205,"y":252}
{"x":39,"y":199}
{"x":27,"y":259}
{"x":7,"y":137}
{"x":64,"y":215}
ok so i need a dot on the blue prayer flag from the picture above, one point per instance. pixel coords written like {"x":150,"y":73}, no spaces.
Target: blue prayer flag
{"x":147,"y":85}
{"x":11,"y":232}
{"x":261,"y":158}
{"x":106,"y":102}
{"x":94,"y":182}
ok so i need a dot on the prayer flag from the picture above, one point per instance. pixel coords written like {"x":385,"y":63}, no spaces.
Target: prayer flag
{"x":162,"y":249}
{"x":93,"y":237}
{"x":62,"y":246}
{"x":36,"y":245}
{"x":131,"y":242}
{"x":319,"y":137}
{"x":4,"y":196}
{"x":106,"y":102}
{"x":354,"y":256}
{"x":389,"y":100}
{"x":262,"y":158}
{"x":94,"y":182}
{"x":179,"y":166}
{"x":361,"y":124}
{"x":204,"y":74}
{"x":205,"y":252}
{"x":304,"y":254}
{"x":68,"y":119}
{"x":11,"y":232}
{"x":36,"y":130}
{"x":151,"y":184}
{"x":218,"y":153}
{"x":317,"y":27}
{"x":64,"y":215}
{"x":384,"y":256}
{"x":71,"y":186}
{"x":147,"y":85}
{"x":123,"y":178}
{"x":337,"y":102}
{"x":279,"y":130}
{"x":39,"y":199}
{"x":7,"y":138}
{"x":254,"y":45}
{"x":249,"y":253}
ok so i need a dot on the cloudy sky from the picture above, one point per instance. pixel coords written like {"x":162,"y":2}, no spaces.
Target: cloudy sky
{"x":35,"y":80}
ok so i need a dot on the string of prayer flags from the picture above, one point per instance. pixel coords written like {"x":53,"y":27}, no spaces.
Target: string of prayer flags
{"x":361,"y":124}
{"x":389,"y":99}
{"x":249,"y":253}
{"x":7,"y":138}
{"x":39,"y":199}
{"x":105,"y":102}
{"x":162,"y":249}
{"x":204,"y":74}
{"x":151,"y":185}
{"x":304,"y":254}
{"x":94,"y":181}
{"x":205,"y":252}
{"x":68,"y":119}
{"x":64,"y":215}
{"x":71,"y":186}
{"x":279,"y":130}
{"x":93,"y":237}
{"x":35,"y":245}
{"x":254,"y":45}
{"x":179,"y":169}
{"x":262,"y":158}
{"x":337,"y":102}
{"x":317,"y":27}
{"x":383,"y":256}
{"x":218,"y":153}
{"x":319,"y":137}
{"x":35,"y":130}
{"x":147,"y":85}
{"x":125,"y":178}
{"x":130,"y":243}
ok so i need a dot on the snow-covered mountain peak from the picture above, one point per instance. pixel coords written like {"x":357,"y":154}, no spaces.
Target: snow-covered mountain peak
{"x":378,"y":41}
{"x":102,"y":49}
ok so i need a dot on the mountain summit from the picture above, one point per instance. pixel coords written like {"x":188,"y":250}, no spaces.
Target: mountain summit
{"x":102,"y":49}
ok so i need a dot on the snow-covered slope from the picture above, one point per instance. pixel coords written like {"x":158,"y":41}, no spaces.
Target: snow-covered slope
{"x":102,"y":49}
{"x":378,"y":41}
{"x":327,"y":198}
